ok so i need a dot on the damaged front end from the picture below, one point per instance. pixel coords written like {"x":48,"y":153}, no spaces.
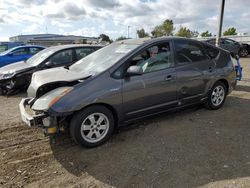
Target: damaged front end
{"x":34,"y":111}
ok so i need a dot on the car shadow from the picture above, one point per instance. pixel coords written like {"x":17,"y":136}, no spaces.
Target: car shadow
{"x":187,"y":148}
{"x":243,"y":88}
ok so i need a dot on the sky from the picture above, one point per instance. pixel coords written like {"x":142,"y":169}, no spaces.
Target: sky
{"x":112,"y":17}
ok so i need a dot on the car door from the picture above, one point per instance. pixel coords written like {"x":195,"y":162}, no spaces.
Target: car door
{"x":19,"y":54}
{"x":155,"y":89}
{"x":194,"y":69}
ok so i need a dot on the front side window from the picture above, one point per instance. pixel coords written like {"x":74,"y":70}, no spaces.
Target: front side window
{"x":20,"y":51}
{"x":62,"y":57}
{"x":154,"y":58}
{"x":188,"y":51}
{"x":82,"y":52}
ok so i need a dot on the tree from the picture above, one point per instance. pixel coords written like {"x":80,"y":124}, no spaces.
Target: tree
{"x":206,"y":34}
{"x":165,"y":29}
{"x":184,"y":32}
{"x":121,"y":38}
{"x":230,"y":31}
{"x":141,"y":33}
{"x":105,"y":38}
{"x":194,"y":33}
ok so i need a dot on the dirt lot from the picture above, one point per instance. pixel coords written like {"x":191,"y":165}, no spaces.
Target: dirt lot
{"x":190,"y":148}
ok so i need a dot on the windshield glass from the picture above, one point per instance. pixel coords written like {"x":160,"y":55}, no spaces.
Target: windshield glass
{"x":103,"y":59}
{"x":40,"y":56}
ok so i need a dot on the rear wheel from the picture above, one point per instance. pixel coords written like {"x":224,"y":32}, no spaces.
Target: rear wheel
{"x":243,"y":52}
{"x":92,"y":126}
{"x":217,"y":96}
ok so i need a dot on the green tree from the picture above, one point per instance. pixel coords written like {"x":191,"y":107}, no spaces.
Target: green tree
{"x":206,"y":34}
{"x":194,"y":33}
{"x":184,"y":32}
{"x":165,"y":29}
{"x":105,"y":38}
{"x":121,"y":38}
{"x":230,"y":31}
{"x":141,"y":33}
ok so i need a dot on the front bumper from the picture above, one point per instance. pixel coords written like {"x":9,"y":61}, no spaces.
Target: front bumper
{"x":30,"y":120}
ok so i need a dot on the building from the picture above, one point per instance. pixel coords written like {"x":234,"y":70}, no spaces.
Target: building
{"x":52,"y":39}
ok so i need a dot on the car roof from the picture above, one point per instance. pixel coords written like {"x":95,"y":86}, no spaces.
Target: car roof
{"x":140,"y":41}
{"x":27,"y":46}
{"x":66,"y":46}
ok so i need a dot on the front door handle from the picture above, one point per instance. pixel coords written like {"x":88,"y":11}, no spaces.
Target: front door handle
{"x":169,"y":78}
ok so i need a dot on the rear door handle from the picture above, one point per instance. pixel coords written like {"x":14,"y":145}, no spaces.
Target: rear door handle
{"x":169,"y":78}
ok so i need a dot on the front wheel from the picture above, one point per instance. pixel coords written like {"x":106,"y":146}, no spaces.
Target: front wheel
{"x":92,"y":126}
{"x":216,"y":96}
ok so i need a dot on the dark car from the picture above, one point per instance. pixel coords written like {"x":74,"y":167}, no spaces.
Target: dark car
{"x":126,"y":81}
{"x":18,"y":76}
{"x":19,"y":53}
{"x":8,"y":45}
{"x":230,"y":45}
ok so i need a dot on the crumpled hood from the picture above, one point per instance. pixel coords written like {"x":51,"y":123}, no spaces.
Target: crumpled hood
{"x":15,"y":67}
{"x":53,"y":75}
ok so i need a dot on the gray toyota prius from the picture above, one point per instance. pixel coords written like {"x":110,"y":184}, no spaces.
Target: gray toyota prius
{"x":125,"y":81}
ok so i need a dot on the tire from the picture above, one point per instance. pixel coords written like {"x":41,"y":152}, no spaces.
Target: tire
{"x":92,"y":126}
{"x":243,"y":52}
{"x":216,"y":96}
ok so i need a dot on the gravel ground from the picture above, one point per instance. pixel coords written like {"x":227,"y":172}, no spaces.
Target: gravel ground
{"x":189,"y":148}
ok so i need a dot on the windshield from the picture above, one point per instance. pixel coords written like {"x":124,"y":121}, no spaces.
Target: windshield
{"x":40,"y":56}
{"x":103,"y":59}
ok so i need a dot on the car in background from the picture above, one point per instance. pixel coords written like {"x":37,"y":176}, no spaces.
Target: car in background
{"x":17,"y":76}
{"x":126,"y":81}
{"x":8,"y":45}
{"x":230,"y":45}
{"x":20,"y":53}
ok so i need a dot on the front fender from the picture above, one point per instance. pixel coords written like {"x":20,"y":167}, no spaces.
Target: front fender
{"x":102,"y":89}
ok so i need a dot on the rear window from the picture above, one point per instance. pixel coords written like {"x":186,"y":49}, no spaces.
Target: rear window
{"x":211,"y":51}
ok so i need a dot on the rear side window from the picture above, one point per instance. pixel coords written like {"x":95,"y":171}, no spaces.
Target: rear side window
{"x":34,"y":50}
{"x":188,"y":51}
{"x":82,"y":52}
{"x":211,"y":51}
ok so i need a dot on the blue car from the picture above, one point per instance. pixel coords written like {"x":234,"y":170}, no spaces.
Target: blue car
{"x":20,"y":53}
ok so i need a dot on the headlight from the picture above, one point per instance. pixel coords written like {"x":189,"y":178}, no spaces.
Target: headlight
{"x":6,"y":76}
{"x":50,"y":98}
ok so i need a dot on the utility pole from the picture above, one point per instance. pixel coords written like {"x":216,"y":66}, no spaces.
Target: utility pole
{"x":128,"y":31}
{"x":220,"y":23}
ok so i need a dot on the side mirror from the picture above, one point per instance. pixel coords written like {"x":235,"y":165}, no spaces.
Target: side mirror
{"x":10,"y":54}
{"x":134,"y":70}
{"x":49,"y":64}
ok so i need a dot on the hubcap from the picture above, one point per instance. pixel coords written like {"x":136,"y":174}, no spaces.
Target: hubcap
{"x":95,"y":127}
{"x":218,"y":95}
